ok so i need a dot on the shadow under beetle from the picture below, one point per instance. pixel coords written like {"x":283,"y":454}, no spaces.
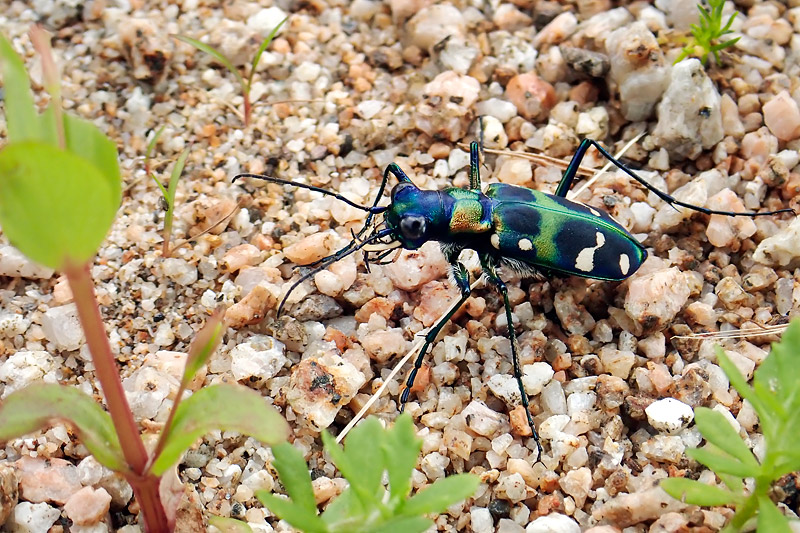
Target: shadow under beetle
{"x":533,"y":233}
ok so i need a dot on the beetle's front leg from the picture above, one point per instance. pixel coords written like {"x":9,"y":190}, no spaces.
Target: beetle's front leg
{"x":490,"y":270}
{"x":461,"y":277}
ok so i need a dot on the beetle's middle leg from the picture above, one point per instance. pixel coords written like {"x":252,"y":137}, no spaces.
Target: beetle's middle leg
{"x":490,"y":270}
{"x":461,"y":276}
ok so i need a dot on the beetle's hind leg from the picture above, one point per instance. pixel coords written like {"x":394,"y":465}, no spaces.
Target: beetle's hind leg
{"x":461,"y":275}
{"x":490,"y":271}
{"x":572,"y":170}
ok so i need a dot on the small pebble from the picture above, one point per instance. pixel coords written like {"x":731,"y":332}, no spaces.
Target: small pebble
{"x":310,"y":249}
{"x":553,"y":523}
{"x":261,"y":357}
{"x":532,"y":96}
{"x":32,"y":517}
{"x":62,"y":327}
{"x":47,"y":480}
{"x":689,"y":116}
{"x":669,"y":415}
{"x":321,"y":386}
{"x":782,"y":116}
{"x":14,"y":264}
{"x":88,"y":506}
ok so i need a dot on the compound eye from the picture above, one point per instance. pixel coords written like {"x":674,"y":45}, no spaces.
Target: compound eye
{"x":412,"y":227}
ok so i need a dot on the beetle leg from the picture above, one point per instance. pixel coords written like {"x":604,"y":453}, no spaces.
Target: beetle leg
{"x":475,"y":166}
{"x":462,"y":280}
{"x":572,"y":170}
{"x":489,"y":269}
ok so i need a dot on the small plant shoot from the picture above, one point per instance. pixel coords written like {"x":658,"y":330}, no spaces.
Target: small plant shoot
{"x":533,"y":233}
{"x":167,"y":191}
{"x":370,"y":455}
{"x":247,"y":84}
{"x":775,"y":396}
{"x":706,"y":35}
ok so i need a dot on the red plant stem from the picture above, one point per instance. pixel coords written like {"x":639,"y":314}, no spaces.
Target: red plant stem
{"x":145,"y":486}
{"x":247,"y":107}
{"x":165,"y":249}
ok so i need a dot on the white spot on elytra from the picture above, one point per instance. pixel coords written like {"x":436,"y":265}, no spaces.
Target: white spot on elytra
{"x":585,"y":259}
{"x":624,"y":264}
{"x":525,"y":245}
{"x":591,"y":209}
{"x":495,"y":240}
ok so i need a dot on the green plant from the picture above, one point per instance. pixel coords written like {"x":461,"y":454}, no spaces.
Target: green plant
{"x":60,"y":190}
{"x":708,"y":32}
{"x":168,"y":191}
{"x":246,"y":85}
{"x":366,"y":506}
{"x":775,"y":396}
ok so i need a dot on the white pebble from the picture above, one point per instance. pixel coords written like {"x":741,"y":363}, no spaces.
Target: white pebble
{"x":502,"y":110}
{"x":669,"y":415}
{"x":261,"y":356}
{"x":62,"y":327}
{"x":553,"y":523}
{"x":14,"y":264}
{"x":481,"y":520}
{"x":33,"y":517}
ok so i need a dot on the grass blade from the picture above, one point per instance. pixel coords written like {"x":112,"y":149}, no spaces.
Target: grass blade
{"x":264,"y":44}
{"x":216,"y":54}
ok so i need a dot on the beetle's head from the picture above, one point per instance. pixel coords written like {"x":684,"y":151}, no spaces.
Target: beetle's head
{"x":408,"y":216}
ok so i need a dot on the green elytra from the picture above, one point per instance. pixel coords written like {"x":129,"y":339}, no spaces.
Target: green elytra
{"x":534,"y":233}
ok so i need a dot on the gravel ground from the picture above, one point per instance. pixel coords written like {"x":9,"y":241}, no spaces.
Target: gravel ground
{"x":344,"y":90}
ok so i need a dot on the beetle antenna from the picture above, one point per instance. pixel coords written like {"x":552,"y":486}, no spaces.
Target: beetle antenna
{"x":375,"y":209}
{"x":324,"y":263}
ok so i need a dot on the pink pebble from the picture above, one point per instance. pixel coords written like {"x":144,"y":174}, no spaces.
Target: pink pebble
{"x":88,"y":506}
{"x":47,"y":480}
{"x":782,"y":117}
{"x":533,"y":97}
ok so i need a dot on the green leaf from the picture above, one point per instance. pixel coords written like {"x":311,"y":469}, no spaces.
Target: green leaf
{"x":224,"y":407}
{"x":38,"y":406}
{"x":441,"y":495}
{"x":294,"y":475}
{"x":174,"y":178}
{"x":777,"y":372}
{"x":345,"y":513}
{"x":153,"y":141}
{"x":229,"y":525}
{"x":403,"y":524}
{"x":696,"y":493}
{"x":401,"y":449}
{"x":55,"y":207}
{"x":216,"y":54}
{"x":361,"y":482}
{"x":734,"y":483}
{"x":264,"y":44}
{"x":722,"y":462}
{"x":20,"y":111}
{"x":716,"y":430}
{"x":364,"y":467}
{"x":296,"y":515}
{"x":85,"y":140}
{"x":770,"y":519}
{"x":205,"y":343}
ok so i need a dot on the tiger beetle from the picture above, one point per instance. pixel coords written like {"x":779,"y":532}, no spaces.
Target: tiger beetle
{"x":530,"y":232}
